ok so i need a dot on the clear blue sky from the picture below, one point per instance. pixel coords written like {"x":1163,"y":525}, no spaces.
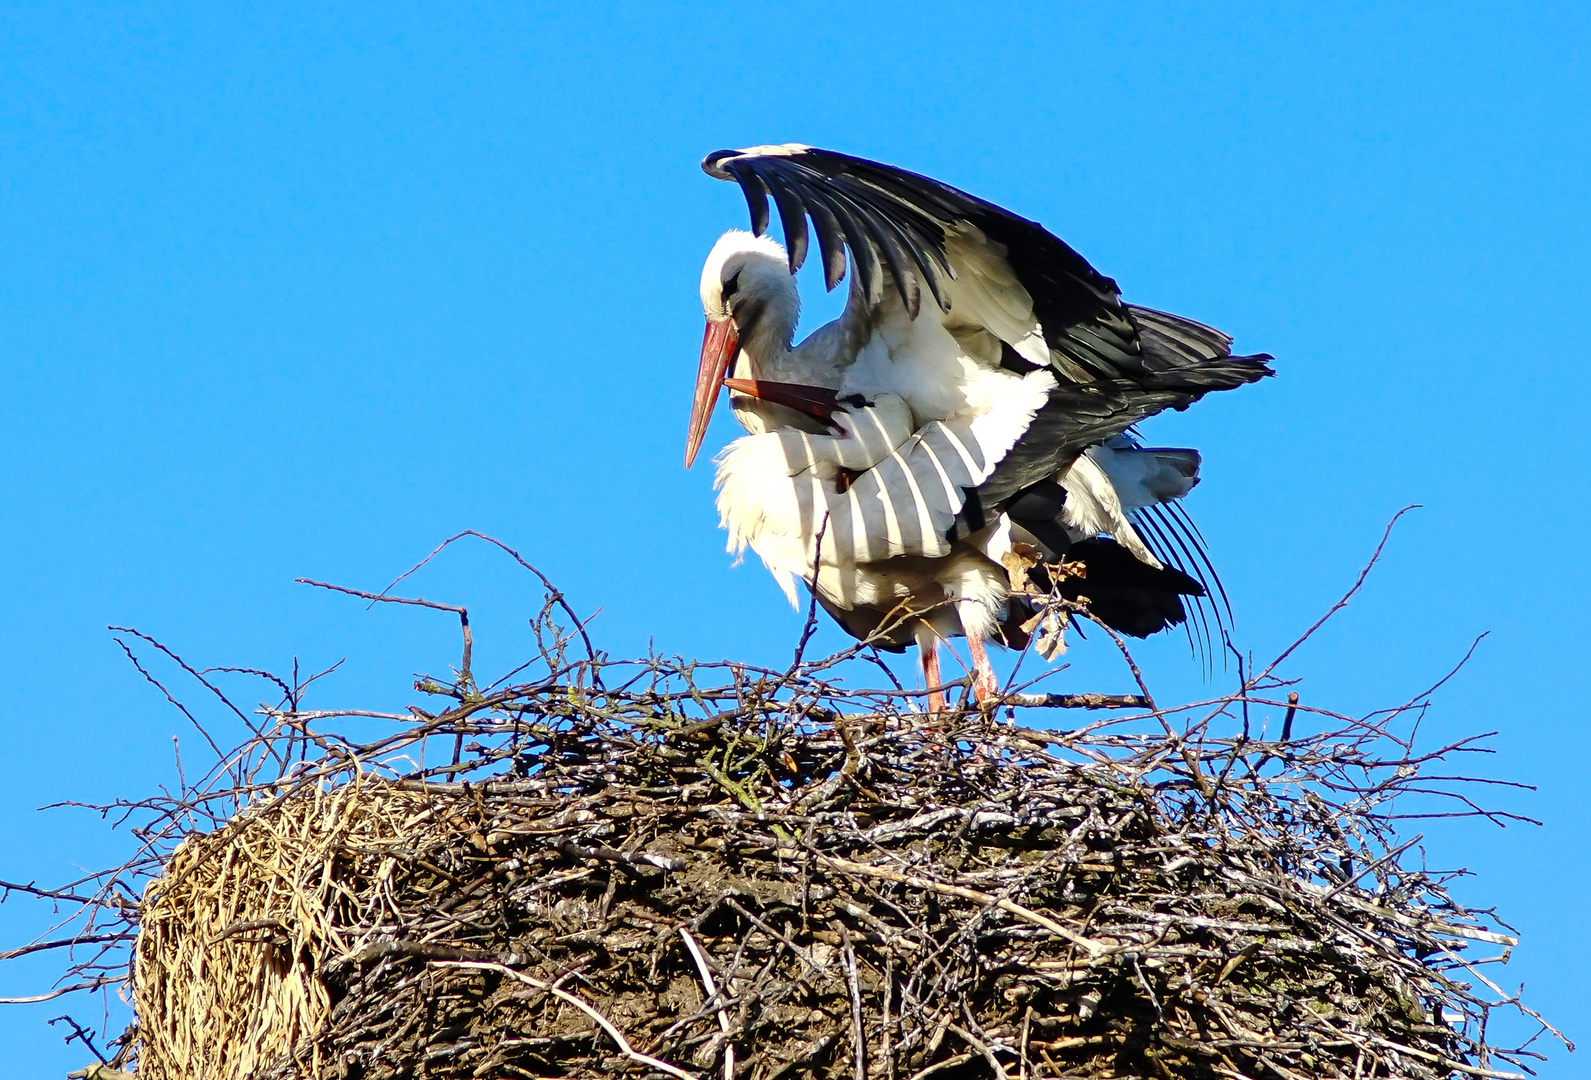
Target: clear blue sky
{"x":302,"y":292}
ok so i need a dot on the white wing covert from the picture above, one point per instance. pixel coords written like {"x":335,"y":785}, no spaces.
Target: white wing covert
{"x":878,"y":490}
{"x":910,"y":502}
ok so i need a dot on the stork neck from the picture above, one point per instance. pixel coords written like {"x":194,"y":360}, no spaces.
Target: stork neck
{"x":765,"y":339}
{"x":766,"y":316}
{"x":766,"y":343}
{"x":760,"y":359}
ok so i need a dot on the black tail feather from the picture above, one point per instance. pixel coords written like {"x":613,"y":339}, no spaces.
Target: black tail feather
{"x":1129,"y":596}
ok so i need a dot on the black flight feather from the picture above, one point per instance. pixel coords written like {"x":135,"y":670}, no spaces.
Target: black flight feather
{"x":793,"y":216}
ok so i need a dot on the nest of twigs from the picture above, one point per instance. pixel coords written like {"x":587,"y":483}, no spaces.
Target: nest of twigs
{"x":747,"y":896}
{"x":656,"y":868}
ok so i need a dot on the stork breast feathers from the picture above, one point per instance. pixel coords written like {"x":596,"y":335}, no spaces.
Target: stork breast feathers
{"x":779,"y":490}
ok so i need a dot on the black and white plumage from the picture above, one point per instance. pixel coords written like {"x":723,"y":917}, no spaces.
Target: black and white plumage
{"x":979,"y":388}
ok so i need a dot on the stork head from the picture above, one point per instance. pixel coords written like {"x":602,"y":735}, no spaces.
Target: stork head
{"x":749,"y":297}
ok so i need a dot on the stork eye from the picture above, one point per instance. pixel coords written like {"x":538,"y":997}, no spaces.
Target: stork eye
{"x":731,"y":285}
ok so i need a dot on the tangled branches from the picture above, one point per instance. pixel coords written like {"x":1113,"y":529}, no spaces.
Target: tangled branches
{"x":658,"y":867}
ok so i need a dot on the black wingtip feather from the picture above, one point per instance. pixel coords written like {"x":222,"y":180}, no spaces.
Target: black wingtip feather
{"x":793,"y":216}
{"x":712,"y":164}
{"x":905,"y":215}
{"x":756,"y":193}
{"x":831,"y":240}
{"x":881,"y":231}
{"x":862,"y":252}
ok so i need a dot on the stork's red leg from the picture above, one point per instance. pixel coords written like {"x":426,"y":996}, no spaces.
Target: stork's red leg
{"x":928,"y":652}
{"x":984,"y":684}
{"x":932,"y":679}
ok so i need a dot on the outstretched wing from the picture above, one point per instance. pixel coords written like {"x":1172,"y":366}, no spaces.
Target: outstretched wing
{"x":1015,"y":297}
{"x":1114,"y":363}
{"x":901,"y":223}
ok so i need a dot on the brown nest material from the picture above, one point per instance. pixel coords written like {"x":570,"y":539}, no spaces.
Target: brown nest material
{"x":665,"y":869}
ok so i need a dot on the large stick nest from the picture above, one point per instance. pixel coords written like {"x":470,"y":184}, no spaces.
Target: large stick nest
{"x":789,"y":900}
{"x":658,"y":868}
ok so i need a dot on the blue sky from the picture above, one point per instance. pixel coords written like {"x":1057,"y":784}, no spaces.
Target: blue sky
{"x":303,"y":292}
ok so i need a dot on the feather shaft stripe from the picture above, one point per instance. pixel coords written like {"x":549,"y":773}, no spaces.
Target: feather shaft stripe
{"x":974,"y":464}
{"x":927,"y":536}
{"x":950,"y":487}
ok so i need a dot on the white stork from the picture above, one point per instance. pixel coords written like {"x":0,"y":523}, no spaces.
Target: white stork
{"x":896,"y":453}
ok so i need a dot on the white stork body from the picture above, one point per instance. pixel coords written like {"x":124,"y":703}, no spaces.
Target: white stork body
{"x":781,"y":494}
{"x":897,"y":452}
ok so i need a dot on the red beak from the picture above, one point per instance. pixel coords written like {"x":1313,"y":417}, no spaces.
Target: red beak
{"x":719,"y":345}
{"x":818,"y":401}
